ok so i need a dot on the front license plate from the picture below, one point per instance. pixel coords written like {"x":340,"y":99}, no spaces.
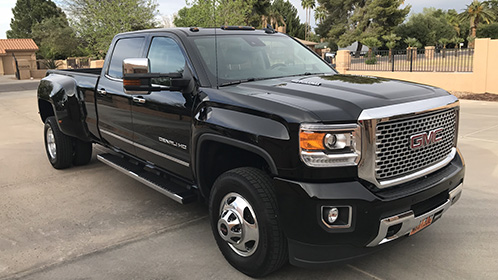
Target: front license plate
{"x":423,"y":224}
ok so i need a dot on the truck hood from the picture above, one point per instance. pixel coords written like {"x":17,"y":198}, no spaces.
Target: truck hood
{"x":331,"y":98}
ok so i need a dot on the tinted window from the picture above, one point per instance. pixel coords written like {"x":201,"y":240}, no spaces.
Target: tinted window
{"x":165,"y":56}
{"x":124,"y":48}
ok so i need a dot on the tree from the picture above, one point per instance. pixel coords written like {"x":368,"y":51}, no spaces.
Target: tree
{"x":28,"y":13}
{"x":412,"y":42}
{"x":307,"y":5}
{"x":350,"y":21}
{"x":475,"y":13}
{"x":391,"y":41}
{"x":273,"y":18}
{"x":56,"y":39}
{"x":371,"y":43}
{"x":294,"y":27}
{"x":260,"y":8}
{"x":427,"y":27}
{"x":444,"y":42}
{"x":453,"y":19}
{"x":98,"y":21}
{"x":198,"y":14}
{"x":320,"y":14}
{"x":493,"y":6}
{"x":211,"y":13}
{"x":488,"y":31}
{"x":456,"y":41}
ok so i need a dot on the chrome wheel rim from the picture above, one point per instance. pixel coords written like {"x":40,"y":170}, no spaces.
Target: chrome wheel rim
{"x":237,"y":224}
{"x":51,"y":147}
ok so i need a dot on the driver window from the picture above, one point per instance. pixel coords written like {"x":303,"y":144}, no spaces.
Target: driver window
{"x":165,"y":56}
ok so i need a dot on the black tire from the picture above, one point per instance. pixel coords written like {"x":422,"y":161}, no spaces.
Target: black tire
{"x":82,"y":152}
{"x":59,"y":147}
{"x":255,"y":188}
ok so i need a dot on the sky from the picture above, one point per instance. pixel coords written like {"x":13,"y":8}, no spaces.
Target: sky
{"x":169,"y":7}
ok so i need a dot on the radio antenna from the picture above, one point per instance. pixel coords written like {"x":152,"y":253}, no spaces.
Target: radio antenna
{"x":216,"y":45}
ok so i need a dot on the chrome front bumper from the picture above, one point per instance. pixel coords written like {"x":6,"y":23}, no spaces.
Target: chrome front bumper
{"x":408,"y":221}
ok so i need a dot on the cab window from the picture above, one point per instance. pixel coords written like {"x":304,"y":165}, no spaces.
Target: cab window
{"x":124,"y":48}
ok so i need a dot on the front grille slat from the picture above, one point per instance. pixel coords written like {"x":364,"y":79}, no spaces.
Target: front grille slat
{"x":394,"y":158}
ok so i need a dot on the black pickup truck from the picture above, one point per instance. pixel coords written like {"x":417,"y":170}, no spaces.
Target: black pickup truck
{"x":296,"y":162}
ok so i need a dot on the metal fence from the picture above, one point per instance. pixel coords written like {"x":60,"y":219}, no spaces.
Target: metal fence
{"x":413,"y":60}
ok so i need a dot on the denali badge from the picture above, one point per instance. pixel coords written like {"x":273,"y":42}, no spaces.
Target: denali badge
{"x":173,"y":143}
{"x":425,"y":139}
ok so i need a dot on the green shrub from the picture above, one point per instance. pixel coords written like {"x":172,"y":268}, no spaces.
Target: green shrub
{"x":371,"y":60}
{"x":51,"y":63}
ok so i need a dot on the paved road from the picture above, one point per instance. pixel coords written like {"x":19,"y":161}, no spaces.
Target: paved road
{"x":92,"y":222}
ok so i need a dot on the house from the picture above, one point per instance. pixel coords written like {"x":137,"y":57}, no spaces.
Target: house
{"x":309,"y":44}
{"x":22,"y":50}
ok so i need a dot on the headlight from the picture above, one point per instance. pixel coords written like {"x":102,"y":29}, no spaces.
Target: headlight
{"x":330,"y":145}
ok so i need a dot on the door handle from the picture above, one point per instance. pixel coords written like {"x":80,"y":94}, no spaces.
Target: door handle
{"x":101,"y":92}
{"x":140,"y":100}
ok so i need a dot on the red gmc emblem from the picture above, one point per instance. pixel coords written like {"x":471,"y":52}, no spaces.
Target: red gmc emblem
{"x":425,"y":139}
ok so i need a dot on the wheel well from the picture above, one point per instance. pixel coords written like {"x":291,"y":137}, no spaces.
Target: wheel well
{"x":216,"y":158}
{"x":45,"y":109}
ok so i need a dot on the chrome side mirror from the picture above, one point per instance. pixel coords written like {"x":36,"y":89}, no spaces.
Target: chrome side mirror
{"x":137,"y":78}
{"x":135,"y":66}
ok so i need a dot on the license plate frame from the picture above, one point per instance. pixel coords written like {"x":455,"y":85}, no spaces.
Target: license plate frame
{"x":423,"y":224}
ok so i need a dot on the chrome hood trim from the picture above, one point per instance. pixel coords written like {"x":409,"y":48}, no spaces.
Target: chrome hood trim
{"x":409,"y":109}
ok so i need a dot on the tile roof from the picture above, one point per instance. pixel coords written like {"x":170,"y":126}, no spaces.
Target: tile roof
{"x":307,"y":43}
{"x":17,"y":45}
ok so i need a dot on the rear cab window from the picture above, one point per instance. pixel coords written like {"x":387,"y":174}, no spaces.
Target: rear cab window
{"x":124,"y":48}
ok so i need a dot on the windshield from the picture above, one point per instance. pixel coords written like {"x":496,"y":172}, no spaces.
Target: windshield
{"x":253,"y":57}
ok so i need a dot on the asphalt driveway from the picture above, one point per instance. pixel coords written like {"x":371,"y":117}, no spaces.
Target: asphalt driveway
{"x":92,"y":222}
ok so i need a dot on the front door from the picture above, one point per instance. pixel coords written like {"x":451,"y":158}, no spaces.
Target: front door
{"x":162,"y":119}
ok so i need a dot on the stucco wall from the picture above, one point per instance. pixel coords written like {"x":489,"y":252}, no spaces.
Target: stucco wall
{"x":38,"y":74}
{"x":484,"y":77}
{"x":9,"y":67}
{"x":492,"y":72}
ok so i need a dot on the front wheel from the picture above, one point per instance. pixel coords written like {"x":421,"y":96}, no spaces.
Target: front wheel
{"x":243,"y":213}
{"x":59,"y":147}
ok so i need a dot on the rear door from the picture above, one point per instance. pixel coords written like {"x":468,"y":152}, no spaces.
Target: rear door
{"x":162,"y":119}
{"x":114,"y":105}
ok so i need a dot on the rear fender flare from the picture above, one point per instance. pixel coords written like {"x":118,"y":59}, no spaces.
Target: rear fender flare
{"x":67,"y":104}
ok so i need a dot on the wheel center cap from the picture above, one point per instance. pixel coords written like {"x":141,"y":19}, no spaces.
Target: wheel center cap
{"x":230,"y":227}
{"x":223,"y":229}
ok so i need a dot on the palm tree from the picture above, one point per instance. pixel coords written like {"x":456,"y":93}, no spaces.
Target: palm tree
{"x":391,"y":40}
{"x":475,"y":13}
{"x":307,"y":5}
{"x":453,"y":19}
{"x":274,"y":18}
{"x":320,"y":13}
{"x":444,"y":42}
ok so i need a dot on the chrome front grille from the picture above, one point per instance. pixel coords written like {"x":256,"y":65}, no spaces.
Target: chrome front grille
{"x":393,"y":156}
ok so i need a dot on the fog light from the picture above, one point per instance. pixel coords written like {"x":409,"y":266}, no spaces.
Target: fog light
{"x":337,"y":217}
{"x":332,"y":215}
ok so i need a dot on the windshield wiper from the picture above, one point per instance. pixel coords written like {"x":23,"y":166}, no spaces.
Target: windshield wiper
{"x":237,"y":82}
{"x":306,"y":74}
